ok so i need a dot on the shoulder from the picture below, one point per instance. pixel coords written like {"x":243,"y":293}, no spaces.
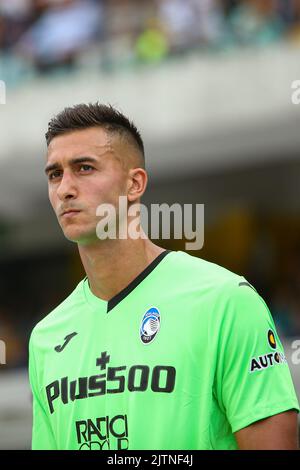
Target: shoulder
{"x":203,"y":273}
{"x":59,"y":316}
{"x":228,"y":294}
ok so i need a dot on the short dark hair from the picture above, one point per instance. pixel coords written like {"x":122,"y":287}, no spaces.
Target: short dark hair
{"x":83,"y":116}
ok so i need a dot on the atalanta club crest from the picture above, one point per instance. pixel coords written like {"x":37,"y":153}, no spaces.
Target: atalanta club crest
{"x":150,"y":325}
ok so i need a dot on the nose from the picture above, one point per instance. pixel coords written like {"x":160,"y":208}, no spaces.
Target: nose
{"x":67,"y":187}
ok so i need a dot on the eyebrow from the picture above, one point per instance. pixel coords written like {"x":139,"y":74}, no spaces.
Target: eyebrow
{"x":73,"y":161}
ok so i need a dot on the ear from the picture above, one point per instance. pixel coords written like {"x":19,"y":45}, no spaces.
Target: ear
{"x":137,"y":184}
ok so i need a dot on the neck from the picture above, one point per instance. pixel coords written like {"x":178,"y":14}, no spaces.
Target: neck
{"x":111,"y":265}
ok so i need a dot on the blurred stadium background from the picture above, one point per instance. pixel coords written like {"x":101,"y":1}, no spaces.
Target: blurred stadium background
{"x":208,"y":82}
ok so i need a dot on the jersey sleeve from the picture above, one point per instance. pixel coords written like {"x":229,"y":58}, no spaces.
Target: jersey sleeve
{"x":252,"y":379}
{"x":42,"y":435}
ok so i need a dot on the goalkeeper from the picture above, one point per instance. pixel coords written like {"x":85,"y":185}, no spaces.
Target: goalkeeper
{"x":154,"y":349}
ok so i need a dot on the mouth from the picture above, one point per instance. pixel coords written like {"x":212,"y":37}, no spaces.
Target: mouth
{"x":70,"y":213}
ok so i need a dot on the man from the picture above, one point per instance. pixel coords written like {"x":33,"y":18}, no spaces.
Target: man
{"x":153,"y":349}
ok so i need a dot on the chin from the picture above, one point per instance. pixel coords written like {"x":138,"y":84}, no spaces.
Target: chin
{"x":81,"y":237}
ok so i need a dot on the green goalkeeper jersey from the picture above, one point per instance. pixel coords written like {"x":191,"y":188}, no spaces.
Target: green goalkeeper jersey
{"x":182,"y":358}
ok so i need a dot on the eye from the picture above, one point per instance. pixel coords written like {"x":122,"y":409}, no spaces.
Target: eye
{"x":54,"y":174}
{"x":84,"y":168}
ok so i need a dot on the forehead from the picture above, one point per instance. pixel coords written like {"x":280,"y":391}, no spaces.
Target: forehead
{"x":93,"y":141}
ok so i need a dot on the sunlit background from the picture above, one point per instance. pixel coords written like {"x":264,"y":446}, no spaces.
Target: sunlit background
{"x":208,"y":83}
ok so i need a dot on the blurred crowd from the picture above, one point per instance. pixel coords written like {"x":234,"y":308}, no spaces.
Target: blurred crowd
{"x":52,"y":33}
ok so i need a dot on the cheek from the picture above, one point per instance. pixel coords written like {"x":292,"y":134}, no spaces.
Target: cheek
{"x":51,"y":196}
{"x":107,"y":190}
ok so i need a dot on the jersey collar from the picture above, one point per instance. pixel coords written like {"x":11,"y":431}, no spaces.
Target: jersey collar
{"x":114,"y":301}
